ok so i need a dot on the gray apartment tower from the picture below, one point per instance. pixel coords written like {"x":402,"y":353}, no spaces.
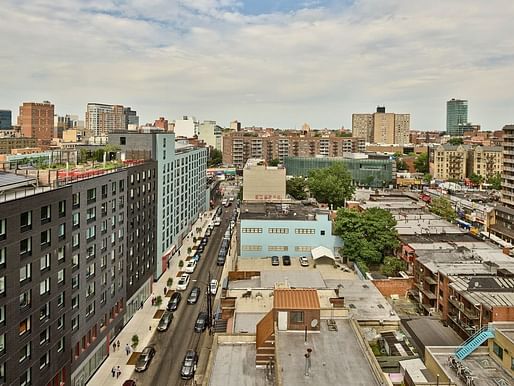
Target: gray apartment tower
{"x":456,"y":116}
{"x":5,"y":119}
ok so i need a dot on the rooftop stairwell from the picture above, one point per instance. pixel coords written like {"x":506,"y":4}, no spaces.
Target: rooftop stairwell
{"x":265,"y":340}
{"x":474,"y":342}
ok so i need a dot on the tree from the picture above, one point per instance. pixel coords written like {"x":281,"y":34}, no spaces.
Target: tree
{"x":455,"y":141}
{"x":476,"y":179}
{"x":427,"y":178}
{"x":332,"y":185}
{"x":367,"y":236}
{"x":393,"y":265}
{"x":295,"y":187}
{"x":495,"y":181}
{"x":273,"y":162}
{"x":421,"y":163}
{"x":443,"y":207}
{"x":401,"y":164}
{"x":215,"y":157}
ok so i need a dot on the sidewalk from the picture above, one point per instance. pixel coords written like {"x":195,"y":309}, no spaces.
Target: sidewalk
{"x":143,"y":323}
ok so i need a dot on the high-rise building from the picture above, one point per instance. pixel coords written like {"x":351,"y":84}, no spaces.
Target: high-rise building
{"x":211,"y":134}
{"x":456,"y":116}
{"x":235,"y":125}
{"x":102,"y":119}
{"x":131,"y":117}
{"x":37,"y":120}
{"x":382,"y":127}
{"x":5,"y":119}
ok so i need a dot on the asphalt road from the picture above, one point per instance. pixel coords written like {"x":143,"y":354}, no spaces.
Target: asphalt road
{"x":171,"y":345}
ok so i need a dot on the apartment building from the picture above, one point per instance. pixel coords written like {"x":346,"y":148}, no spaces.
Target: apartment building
{"x":239,"y":146}
{"x":456,"y":116}
{"x":211,"y":134}
{"x":487,"y":161}
{"x":102,"y":119}
{"x":382,"y":127}
{"x":449,"y":162}
{"x":10,"y":143}
{"x":37,"y":120}
{"x":35,"y":286}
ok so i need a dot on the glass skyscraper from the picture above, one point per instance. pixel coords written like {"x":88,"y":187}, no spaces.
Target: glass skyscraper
{"x":5,"y":119}
{"x":456,"y":116}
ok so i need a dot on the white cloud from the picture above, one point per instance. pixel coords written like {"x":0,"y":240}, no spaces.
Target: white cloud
{"x":317,"y":64}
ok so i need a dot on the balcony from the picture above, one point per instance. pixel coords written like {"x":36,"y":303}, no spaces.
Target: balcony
{"x":469,"y":312}
{"x":469,"y":329}
{"x":429,"y":294}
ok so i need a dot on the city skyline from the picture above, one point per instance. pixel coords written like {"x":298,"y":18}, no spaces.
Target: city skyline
{"x":271,"y":64}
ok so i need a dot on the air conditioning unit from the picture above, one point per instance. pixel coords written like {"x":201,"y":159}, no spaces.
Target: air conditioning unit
{"x":452,"y":297}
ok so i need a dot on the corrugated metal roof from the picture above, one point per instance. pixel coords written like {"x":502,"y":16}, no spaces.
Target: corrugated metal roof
{"x":296,"y":299}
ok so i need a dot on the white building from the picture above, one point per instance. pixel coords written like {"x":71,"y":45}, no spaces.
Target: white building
{"x":186,"y":127}
{"x":211,"y":134}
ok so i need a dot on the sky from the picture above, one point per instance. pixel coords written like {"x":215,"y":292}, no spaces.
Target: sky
{"x":263,"y":62}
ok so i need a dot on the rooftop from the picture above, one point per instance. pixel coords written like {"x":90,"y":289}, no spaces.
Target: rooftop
{"x":428,"y":331}
{"x":489,"y":291}
{"x":274,"y":211}
{"x":304,"y":299}
{"x":337,"y":358}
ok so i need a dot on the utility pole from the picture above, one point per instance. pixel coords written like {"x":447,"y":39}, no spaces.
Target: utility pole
{"x":209,"y":305}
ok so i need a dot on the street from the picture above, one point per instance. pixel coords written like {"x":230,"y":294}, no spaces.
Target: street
{"x":171,"y":345}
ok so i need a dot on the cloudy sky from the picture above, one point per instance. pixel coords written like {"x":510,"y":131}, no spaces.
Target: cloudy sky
{"x":266,"y":63}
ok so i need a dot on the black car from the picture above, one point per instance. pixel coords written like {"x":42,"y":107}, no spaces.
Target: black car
{"x":286,"y":260}
{"x":165,"y":321}
{"x":129,"y":382}
{"x":219,"y":211}
{"x":194,"y":295}
{"x":201,"y":321}
{"x":189,"y":365}
{"x":208,"y":232}
{"x":145,"y":358}
{"x":200,"y":248}
{"x":204,"y":241}
{"x":174,"y":301}
{"x":275,"y":260}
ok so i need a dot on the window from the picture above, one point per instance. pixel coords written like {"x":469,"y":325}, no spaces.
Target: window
{"x":44,"y":361}
{"x":75,"y":240}
{"x":25,"y":298}
{"x":60,"y":300}
{"x":75,"y":282}
{"x":2,"y":315}
{"x":113,"y":187}
{"x":90,"y":289}
{"x":90,"y":270}
{"x":61,"y":231}
{"x":3,"y":229}
{"x":25,"y":272}
{"x":91,"y":233}
{"x":90,"y":309}
{"x":122,"y":185}
{"x":44,"y":286}
{"x":26,"y":247}
{"x":60,"y":345}
{"x":91,"y":214}
{"x":75,"y":200}
{"x":25,"y":353}
{"x":91,"y":195}
{"x":251,"y":247}
{"x":322,"y":233}
{"x":303,"y":248}
{"x":26,"y":378}
{"x":2,"y":348}
{"x":45,"y":261}
{"x":498,"y":350}
{"x":24,"y":326}
{"x":123,"y":140}
{"x":45,"y":213}
{"x":60,"y":322}
{"x":44,"y":336}
{"x":60,"y":276}
{"x":44,"y":312}
{"x":3,"y":252}
{"x":62,"y":208}
{"x":104,"y":191}
{"x":75,"y":323}
{"x":75,"y":302}
{"x":75,"y":220}
{"x":251,"y":230}
{"x":278,"y":230}
{"x":26,"y":221}
{"x":75,"y":260}
{"x":305,"y":231}
{"x":45,"y":238}
{"x":278,"y":248}
{"x":296,"y":316}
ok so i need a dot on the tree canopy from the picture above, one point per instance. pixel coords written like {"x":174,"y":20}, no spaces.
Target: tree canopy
{"x":393,"y":265}
{"x":215,"y":157}
{"x":455,"y":141}
{"x":443,"y":207}
{"x":296,"y":187}
{"x":273,"y":162}
{"x":332,"y":185}
{"x":367,"y":236}
{"x":495,"y":181}
{"x":421,"y":163}
{"x":476,"y":179}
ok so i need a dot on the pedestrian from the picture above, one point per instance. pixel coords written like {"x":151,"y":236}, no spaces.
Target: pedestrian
{"x":168,"y":264}
{"x":149,"y":328}
{"x":118,"y":372}
{"x":179,"y":252}
{"x":113,"y":371}
{"x":127,"y":349}
{"x":165,"y":290}
{"x":118,"y":344}
{"x":141,"y":305}
{"x":114,"y":347}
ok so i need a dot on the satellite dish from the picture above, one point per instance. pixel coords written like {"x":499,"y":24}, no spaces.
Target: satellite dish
{"x":314,"y":323}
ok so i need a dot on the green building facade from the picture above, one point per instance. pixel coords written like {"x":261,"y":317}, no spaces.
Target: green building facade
{"x":375,"y":173}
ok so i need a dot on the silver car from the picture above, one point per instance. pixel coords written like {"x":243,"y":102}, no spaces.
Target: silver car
{"x":145,"y":358}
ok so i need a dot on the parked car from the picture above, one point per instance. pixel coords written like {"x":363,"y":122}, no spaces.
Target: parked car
{"x":204,"y":241}
{"x":196,"y":257}
{"x":217,"y":221}
{"x":201,"y":322}
{"x":190,"y":266}
{"x":165,"y":321}
{"x":145,"y":358}
{"x":183,"y":282}
{"x":219,"y":211}
{"x":174,"y":301}
{"x":200,"y":248}
{"x":189,"y":365}
{"x":286,"y":260}
{"x":213,"y":286}
{"x":211,"y":226}
{"x":129,"y":382}
{"x":224,"y":202}
{"x":275,"y":260}
{"x":208,"y":232}
{"x":194,"y":295}
{"x":304,"y":262}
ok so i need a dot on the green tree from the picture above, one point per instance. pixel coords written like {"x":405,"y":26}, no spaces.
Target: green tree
{"x":295,"y":187}
{"x":367,"y":236}
{"x":427,"y":178}
{"x":455,"y":141}
{"x":443,"y":207}
{"x":495,"y":181}
{"x":476,"y":179}
{"x":273,"y":162}
{"x":393,"y":265}
{"x":332,"y":185}
{"x":421,"y":163}
{"x":215,"y":158}
{"x":401,"y":164}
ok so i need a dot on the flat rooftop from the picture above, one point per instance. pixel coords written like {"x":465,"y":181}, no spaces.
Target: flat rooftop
{"x":489,"y":291}
{"x":428,"y":331}
{"x":293,"y":278}
{"x":424,"y":224}
{"x":484,"y":368}
{"x":279,"y":211}
{"x":336,"y":358}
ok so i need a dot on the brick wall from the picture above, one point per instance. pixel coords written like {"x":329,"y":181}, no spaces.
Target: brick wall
{"x":394,"y":286}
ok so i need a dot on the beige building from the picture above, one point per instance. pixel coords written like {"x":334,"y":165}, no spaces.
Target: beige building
{"x":102,"y":119}
{"x":487,"y":161}
{"x":382,"y":127}
{"x":263,"y":183}
{"x":37,"y":120}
